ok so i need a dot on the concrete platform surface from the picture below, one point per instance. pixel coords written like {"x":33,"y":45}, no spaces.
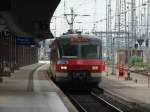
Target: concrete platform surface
{"x":32,"y":102}
{"x":135,"y":92}
{"x":31,"y":90}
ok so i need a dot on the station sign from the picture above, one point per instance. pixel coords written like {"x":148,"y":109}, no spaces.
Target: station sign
{"x":5,"y":34}
{"x":25,"y":41}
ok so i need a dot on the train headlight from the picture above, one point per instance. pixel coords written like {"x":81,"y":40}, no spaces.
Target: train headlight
{"x":63,"y":67}
{"x":94,"y":67}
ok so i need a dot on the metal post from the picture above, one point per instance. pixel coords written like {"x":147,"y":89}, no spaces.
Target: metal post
{"x":113,"y":56}
{"x":148,"y":29}
{"x":133,"y":20}
{"x":128,"y":59}
{"x":128,"y":46}
{"x":1,"y":56}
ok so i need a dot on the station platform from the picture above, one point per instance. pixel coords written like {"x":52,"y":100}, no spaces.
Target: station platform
{"x":30,"y":90}
{"x":136,"y":91}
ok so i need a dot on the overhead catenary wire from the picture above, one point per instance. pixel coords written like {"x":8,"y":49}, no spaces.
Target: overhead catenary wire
{"x":83,"y":3}
{"x":113,"y":15}
{"x":80,"y":5}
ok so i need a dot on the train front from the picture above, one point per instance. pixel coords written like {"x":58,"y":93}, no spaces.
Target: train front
{"x":80,"y":60}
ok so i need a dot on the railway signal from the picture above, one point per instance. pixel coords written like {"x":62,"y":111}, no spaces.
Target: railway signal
{"x":140,"y":41}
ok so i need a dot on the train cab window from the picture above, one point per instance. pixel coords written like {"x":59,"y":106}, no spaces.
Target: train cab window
{"x":69,"y":51}
{"x":89,"y":52}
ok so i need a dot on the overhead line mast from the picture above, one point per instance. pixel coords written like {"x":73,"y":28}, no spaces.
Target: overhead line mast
{"x":148,"y":31}
{"x":94,"y":16}
{"x":133,"y":22}
{"x":120,"y":26}
{"x":108,"y":27}
{"x":120,"y":19}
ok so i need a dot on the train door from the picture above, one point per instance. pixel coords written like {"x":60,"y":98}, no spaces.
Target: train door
{"x":54,"y":58}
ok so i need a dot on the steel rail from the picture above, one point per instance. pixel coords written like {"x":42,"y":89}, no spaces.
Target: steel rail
{"x":109,"y":105}
{"x":76,"y":103}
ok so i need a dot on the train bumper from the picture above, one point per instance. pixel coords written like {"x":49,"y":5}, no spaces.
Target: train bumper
{"x":87,"y":78}
{"x":68,"y":79}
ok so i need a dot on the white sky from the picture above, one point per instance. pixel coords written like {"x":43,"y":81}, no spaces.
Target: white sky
{"x":83,"y":7}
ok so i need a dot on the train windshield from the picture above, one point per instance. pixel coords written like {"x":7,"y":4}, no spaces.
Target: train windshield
{"x":69,"y":51}
{"x":89,"y":52}
{"x":80,"y":51}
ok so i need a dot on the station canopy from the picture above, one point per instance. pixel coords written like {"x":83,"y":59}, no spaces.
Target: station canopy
{"x":29,"y":18}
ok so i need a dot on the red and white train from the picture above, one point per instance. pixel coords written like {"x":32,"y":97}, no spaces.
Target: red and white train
{"x":77,"y":58}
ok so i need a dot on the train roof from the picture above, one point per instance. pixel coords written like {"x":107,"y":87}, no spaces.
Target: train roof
{"x":82,"y":35}
{"x":68,"y":36}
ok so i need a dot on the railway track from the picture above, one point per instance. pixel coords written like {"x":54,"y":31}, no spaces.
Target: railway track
{"x":142,"y":72}
{"x":91,"y":102}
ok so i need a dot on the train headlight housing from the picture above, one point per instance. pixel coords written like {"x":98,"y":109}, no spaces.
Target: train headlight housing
{"x":63,"y":67}
{"x":94,"y":67}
